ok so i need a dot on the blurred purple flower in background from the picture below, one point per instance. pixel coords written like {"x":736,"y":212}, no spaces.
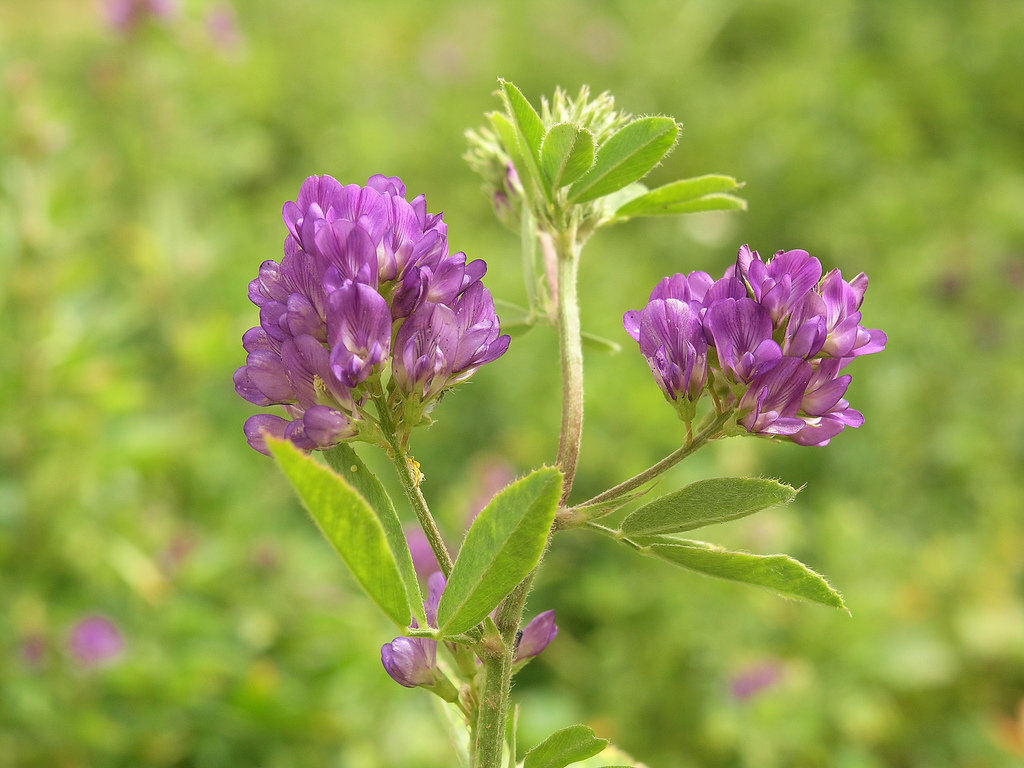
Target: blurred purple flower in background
{"x":755,"y":679}
{"x":124,"y":16}
{"x":362,"y":266}
{"x":768,"y":341}
{"x":95,"y":640}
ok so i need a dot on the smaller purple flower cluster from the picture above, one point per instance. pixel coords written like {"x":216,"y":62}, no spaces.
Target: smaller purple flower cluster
{"x":768,"y":341}
{"x":412,"y":661}
{"x":367,"y":286}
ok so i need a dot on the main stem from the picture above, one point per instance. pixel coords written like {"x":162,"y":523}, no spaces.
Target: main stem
{"x":571,"y":350}
{"x":489,"y":734}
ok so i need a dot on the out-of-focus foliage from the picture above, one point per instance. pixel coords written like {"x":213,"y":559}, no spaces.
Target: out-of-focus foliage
{"x":142,"y":174}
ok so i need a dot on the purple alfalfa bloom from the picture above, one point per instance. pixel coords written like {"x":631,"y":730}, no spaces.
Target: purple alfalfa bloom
{"x":439,"y":345}
{"x":672,"y":341}
{"x":842,"y":300}
{"x":781,"y":284}
{"x":411,"y":661}
{"x":771,"y":404}
{"x":359,"y":331}
{"x":824,"y":410}
{"x":537,"y":635}
{"x":691,"y":288}
{"x":95,"y":640}
{"x":741,"y":332}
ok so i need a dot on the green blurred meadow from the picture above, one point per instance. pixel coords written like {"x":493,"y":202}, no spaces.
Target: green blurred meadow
{"x":142,"y":174}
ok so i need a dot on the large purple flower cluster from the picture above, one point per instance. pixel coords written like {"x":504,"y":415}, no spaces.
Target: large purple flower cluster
{"x":767,"y":341}
{"x":367,"y":288}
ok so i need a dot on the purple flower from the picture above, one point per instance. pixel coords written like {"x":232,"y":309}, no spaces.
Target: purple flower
{"x":671,"y":338}
{"x":95,"y":640}
{"x":741,"y":331}
{"x":441,"y":345}
{"x":359,"y":263}
{"x":411,"y":661}
{"x":537,"y":635}
{"x":777,"y":335}
{"x":359,"y":329}
{"x":781,"y":284}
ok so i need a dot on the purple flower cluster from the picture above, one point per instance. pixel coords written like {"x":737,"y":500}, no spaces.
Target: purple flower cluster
{"x":768,"y":340}
{"x":367,"y":287}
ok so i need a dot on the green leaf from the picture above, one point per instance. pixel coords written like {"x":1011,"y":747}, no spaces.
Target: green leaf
{"x":566,"y":153}
{"x":706,"y":502}
{"x":670,"y":198}
{"x":564,"y":747}
{"x":529,"y":131}
{"x":349,"y":524}
{"x":600,"y":343}
{"x":503,"y":545}
{"x":627,"y":156}
{"x":346,"y":462}
{"x":780,"y":573}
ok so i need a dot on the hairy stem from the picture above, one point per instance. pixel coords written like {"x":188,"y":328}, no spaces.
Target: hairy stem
{"x":409,"y":475}
{"x":489,"y":734}
{"x":711,"y":432}
{"x":571,"y":350}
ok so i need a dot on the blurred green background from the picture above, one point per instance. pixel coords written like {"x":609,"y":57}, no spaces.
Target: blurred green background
{"x":142,"y":173}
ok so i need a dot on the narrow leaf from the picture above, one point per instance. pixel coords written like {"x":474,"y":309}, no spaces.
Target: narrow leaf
{"x":780,"y":573}
{"x":503,"y":545}
{"x":564,"y":747}
{"x":706,"y":203}
{"x":529,"y":130}
{"x":566,"y":153}
{"x":349,"y":524}
{"x":705,"y":502}
{"x":346,"y":462}
{"x":626,"y":157}
{"x":600,"y":343}
{"x":662,"y":199}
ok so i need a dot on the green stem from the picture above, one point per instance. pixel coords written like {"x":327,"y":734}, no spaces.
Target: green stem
{"x":571,"y":350}
{"x":489,"y":734}
{"x":408,"y":474}
{"x":711,"y":432}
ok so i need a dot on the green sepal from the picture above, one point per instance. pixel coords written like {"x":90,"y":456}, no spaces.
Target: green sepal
{"x":627,"y":156}
{"x":779,"y":573}
{"x":505,"y":543}
{"x":566,"y":153}
{"x":346,"y":462}
{"x":706,"y":502}
{"x":680,"y":196}
{"x":348,"y":522}
{"x":529,"y":130}
{"x":565,"y":747}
